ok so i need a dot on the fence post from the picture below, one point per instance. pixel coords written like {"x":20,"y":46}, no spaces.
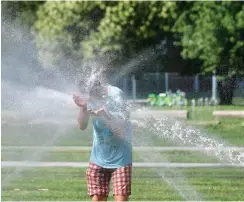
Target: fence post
{"x":214,"y":86}
{"x":125,"y":86}
{"x":157,"y":74}
{"x":133,"y":86}
{"x":166,"y":81}
{"x":196,"y":83}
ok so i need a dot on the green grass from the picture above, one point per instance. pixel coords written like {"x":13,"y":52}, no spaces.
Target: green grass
{"x":231,"y":130}
{"x":83,"y":156}
{"x":205,"y":113}
{"x":70,"y":184}
{"x":238,"y":101}
{"x":32,"y":135}
{"x":201,"y":112}
{"x":228,"y":129}
{"x":51,"y":135}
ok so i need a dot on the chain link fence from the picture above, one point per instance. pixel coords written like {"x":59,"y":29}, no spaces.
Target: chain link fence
{"x":193,"y":86}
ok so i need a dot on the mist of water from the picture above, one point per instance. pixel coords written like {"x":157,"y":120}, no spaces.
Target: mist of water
{"x":37,"y":104}
{"x":40,"y":100}
{"x":179,"y":133}
{"x":133,"y":64}
{"x":172,"y":176}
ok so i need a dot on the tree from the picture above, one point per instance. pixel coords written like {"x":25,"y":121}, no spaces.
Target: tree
{"x":60,"y":29}
{"x":24,"y":12}
{"x":129,"y":28}
{"x":19,"y":62}
{"x":209,"y":34}
{"x":213,"y":32}
{"x":108,"y":31}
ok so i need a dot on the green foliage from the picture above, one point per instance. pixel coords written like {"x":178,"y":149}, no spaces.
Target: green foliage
{"x":61,"y":26}
{"x":22,"y":11}
{"x":128,"y":26}
{"x":209,"y":32}
{"x":84,"y":30}
{"x":213,"y":33}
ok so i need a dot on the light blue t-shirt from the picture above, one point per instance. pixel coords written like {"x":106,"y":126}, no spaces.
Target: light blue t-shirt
{"x":112,"y":149}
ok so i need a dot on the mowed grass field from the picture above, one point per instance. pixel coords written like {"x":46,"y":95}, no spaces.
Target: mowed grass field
{"x":68,"y":184}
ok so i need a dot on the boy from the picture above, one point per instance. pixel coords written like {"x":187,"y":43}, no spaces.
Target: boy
{"x":111,"y":155}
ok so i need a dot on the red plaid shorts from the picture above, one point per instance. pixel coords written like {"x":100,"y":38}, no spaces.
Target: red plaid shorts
{"x":98,"y":180}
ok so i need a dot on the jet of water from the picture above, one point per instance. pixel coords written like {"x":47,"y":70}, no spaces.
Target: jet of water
{"x":180,"y":133}
{"x":176,"y":180}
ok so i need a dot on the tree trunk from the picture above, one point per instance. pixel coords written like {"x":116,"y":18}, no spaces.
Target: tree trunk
{"x":226,"y":90}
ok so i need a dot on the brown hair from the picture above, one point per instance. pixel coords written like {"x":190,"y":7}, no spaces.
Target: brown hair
{"x":96,"y":89}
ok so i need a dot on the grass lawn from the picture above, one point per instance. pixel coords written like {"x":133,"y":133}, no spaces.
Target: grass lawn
{"x":70,"y":184}
{"x":229,"y":129}
{"x":45,"y":135}
{"x":83,"y":156}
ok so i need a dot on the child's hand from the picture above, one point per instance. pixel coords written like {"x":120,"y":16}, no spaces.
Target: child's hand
{"x":79,"y":101}
{"x":99,"y":112}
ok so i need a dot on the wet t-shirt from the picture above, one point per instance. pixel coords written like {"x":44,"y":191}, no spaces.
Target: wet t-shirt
{"x":111,"y":149}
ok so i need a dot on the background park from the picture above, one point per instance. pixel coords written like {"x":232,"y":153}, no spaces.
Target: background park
{"x":181,"y":66}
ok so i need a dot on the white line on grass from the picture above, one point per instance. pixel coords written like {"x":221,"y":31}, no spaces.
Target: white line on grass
{"x":136,"y":164}
{"x":88,"y":148}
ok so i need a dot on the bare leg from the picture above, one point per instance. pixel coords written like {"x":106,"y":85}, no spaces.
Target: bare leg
{"x":99,"y":198}
{"x":121,"y":198}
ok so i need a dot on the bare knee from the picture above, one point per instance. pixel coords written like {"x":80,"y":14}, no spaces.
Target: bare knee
{"x":99,"y":198}
{"x":121,"y":198}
